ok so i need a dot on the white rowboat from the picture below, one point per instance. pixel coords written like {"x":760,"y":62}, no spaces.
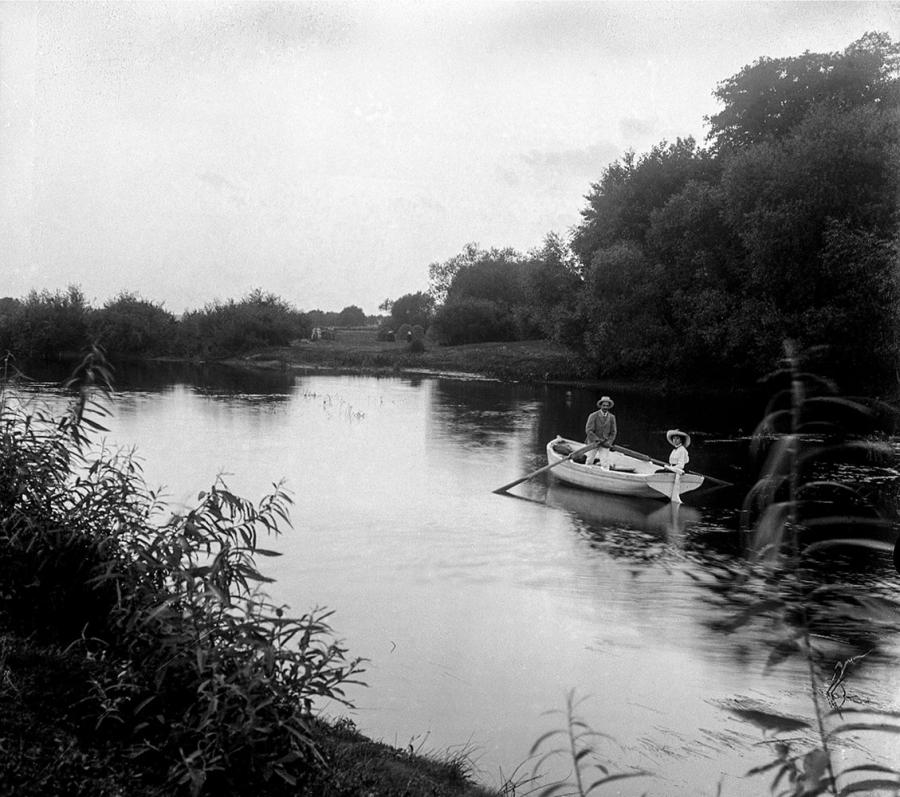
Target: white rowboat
{"x":625,"y":476}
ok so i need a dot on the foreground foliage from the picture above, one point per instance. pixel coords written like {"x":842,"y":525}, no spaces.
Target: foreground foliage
{"x":808,"y":524}
{"x":135,"y":647}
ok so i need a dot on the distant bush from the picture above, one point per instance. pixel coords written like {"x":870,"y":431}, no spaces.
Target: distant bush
{"x":131,"y":326}
{"x":473,"y":321}
{"x":411,"y":309}
{"x":45,"y":325}
{"x":351,"y":316}
{"x":48,"y":325}
{"x":258,"y":320}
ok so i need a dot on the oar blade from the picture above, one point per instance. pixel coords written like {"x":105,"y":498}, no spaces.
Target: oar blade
{"x":507,"y":487}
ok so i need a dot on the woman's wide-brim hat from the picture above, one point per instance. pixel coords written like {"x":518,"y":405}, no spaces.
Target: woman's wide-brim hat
{"x":606,"y":400}
{"x":686,"y":438}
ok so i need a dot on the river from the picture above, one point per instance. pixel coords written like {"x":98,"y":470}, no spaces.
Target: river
{"x":479,"y":613}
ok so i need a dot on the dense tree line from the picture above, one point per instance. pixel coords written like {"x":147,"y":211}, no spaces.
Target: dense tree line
{"x":701,"y":260}
{"x":47,"y":325}
{"x":689,"y":260}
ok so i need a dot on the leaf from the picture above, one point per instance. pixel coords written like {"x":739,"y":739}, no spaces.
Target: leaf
{"x":870,"y":768}
{"x":770,"y":528}
{"x":782,"y":651}
{"x":859,"y":542}
{"x":785,"y":770}
{"x":851,"y":520}
{"x":754,"y":610}
{"x":618,"y":776}
{"x":769,"y":721}
{"x":870,"y":786}
{"x":542,"y":739}
{"x":778,"y":460}
{"x":554,"y":789}
{"x":764,"y":767}
{"x":867,"y":712}
{"x":863,"y":726}
{"x":160,"y":608}
{"x":837,"y":401}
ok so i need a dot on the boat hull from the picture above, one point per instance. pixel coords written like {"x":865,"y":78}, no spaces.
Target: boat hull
{"x":626,"y":475}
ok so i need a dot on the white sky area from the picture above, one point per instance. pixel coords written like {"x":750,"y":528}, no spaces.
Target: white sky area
{"x":328,"y":152}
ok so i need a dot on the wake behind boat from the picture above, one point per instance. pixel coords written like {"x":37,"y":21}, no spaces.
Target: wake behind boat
{"x":626,"y":475}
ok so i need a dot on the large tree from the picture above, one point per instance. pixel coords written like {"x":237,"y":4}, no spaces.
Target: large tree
{"x":769,"y":98}
{"x":411,"y":308}
{"x":622,"y":202}
{"x":708,"y":260}
{"x":484,"y":296}
{"x":794,"y":203}
{"x":553,"y":278}
{"x":351,"y":316}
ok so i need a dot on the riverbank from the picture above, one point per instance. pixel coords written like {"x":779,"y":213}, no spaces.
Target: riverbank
{"x":49,"y":749}
{"x":359,"y":350}
{"x":530,"y":361}
{"x":137,"y":656}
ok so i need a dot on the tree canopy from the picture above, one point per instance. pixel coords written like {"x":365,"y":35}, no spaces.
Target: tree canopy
{"x":772,"y":96}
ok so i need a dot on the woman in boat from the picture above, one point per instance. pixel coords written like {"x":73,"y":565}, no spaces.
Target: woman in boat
{"x":678,"y":457}
{"x":601,"y":429}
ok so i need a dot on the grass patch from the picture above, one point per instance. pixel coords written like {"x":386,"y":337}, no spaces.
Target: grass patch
{"x":526,"y":361}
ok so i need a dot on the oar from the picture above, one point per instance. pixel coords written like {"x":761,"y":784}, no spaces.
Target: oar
{"x":645,"y":458}
{"x":574,"y":454}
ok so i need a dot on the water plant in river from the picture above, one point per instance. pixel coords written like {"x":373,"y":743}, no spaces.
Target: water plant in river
{"x":811,"y":519}
{"x":181,"y":658}
{"x":576,"y":744}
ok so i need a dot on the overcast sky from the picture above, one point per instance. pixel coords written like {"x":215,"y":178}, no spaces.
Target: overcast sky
{"x":328,"y":152}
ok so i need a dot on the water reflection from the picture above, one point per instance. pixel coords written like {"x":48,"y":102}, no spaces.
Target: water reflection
{"x":598,"y":511}
{"x":155,"y":377}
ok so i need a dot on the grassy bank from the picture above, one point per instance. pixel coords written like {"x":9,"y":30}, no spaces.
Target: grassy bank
{"x":53,"y":747}
{"x":358,"y":350}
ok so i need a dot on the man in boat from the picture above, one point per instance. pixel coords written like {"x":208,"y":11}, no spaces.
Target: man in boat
{"x":601,"y":428}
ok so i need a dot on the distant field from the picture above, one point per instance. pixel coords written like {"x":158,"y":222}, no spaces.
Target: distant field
{"x":358,"y":336}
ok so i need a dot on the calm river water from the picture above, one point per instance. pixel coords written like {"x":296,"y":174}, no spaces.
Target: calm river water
{"x":478,"y":613}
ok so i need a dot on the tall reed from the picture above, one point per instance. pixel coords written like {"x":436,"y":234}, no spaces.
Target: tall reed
{"x":805,"y":515}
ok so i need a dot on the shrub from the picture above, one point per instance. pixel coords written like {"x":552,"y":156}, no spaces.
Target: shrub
{"x":258,"y":320}
{"x":196,"y":670}
{"x":131,"y":326}
{"x":45,"y":324}
{"x":472,"y":321}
